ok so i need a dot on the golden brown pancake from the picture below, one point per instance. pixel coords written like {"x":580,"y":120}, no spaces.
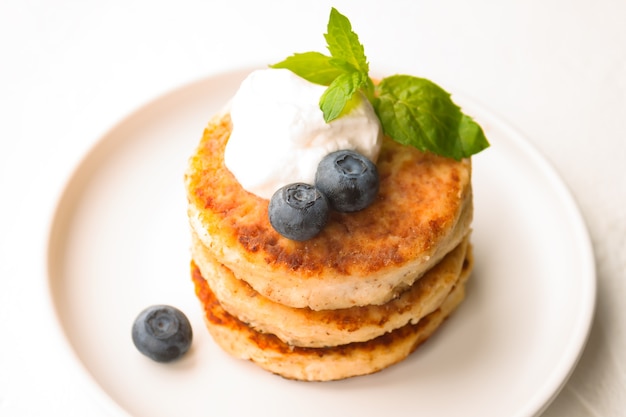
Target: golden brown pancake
{"x":422,"y":212}
{"x":321,"y":364}
{"x":309,"y":328}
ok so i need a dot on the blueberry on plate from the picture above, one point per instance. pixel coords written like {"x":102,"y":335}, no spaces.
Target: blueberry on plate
{"x":298,"y":211}
{"x":162,"y":333}
{"x":349,"y":180}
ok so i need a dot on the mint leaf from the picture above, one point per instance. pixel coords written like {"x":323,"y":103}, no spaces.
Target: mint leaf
{"x":344,"y":44}
{"x":415,"y":111}
{"x":340,"y":93}
{"x":312,"y":66}
{"x":344,"y":72}
{"x":473,"y":138}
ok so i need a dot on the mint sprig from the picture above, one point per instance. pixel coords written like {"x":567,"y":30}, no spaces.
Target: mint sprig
{"x":343,"y":43}
{"x":413,"y":111}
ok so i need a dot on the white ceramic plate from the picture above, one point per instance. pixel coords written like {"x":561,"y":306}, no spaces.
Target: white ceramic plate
{"x":119,"y":242}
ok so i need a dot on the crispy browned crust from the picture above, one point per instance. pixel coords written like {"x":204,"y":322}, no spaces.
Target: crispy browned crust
{"x":310,"y":328}
{"x":320,"y":364}
{"x":423,"y":210}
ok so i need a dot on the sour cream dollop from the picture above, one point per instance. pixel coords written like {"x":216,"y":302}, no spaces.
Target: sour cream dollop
{"x":279,"y":135}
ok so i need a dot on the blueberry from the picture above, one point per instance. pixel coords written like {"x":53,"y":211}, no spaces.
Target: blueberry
{"x":349,"y":180}
{"x":298,"y":211}
{"x":162,"y":333}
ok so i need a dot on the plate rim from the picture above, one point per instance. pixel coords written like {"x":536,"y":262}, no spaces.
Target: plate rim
{"x":78,"y":368}
{"x":589,"y":290}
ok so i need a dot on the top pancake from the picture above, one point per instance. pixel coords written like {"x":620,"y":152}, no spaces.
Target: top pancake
{"x":423,"y":210}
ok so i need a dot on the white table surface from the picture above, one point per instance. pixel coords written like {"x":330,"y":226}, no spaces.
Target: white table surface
{"x":555,"y":69}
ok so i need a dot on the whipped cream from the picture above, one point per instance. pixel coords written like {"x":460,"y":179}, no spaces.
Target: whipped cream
{"x":279,"y":135}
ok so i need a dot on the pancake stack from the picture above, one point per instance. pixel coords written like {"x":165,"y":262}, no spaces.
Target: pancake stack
{"x":357,"y":298}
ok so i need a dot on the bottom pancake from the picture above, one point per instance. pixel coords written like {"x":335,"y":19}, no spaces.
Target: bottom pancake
{"x":320,"y":364}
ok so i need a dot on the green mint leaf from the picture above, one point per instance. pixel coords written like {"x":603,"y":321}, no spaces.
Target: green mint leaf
{"x":473,"y":138}
{"x":312,"y":66}
{"x":344,"y":44}
{"x":344,"y":72}
{"x":340,"y":94}
{"x":415,"y":111}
